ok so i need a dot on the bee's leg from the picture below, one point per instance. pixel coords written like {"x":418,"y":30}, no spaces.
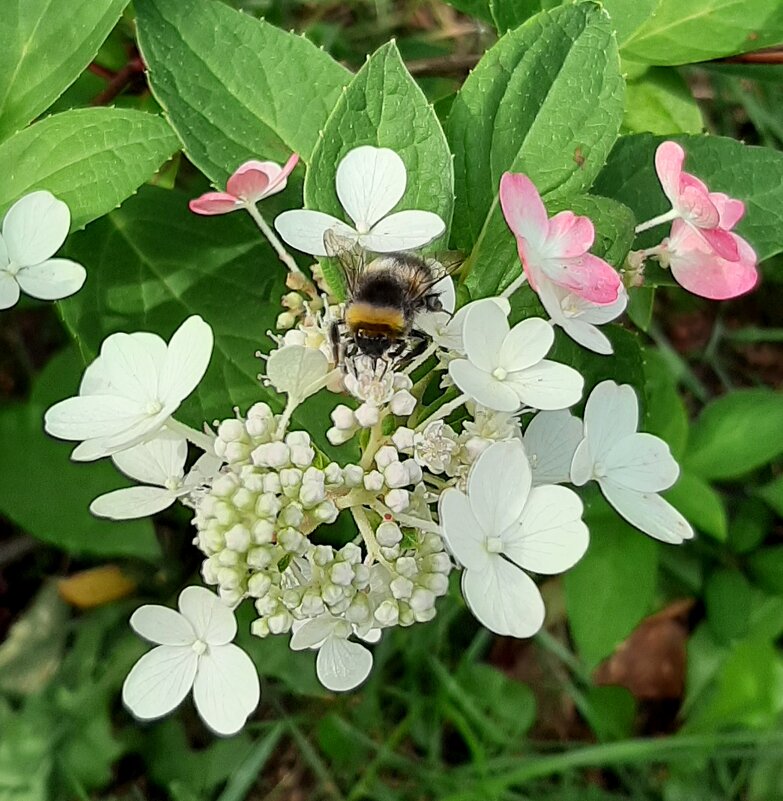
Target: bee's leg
{"x":336,"y":339}
{"x":413,"y":348}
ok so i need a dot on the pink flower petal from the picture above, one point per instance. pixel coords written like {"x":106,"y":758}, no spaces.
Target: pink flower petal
{"x":214,"y":203}
{"x":278,"y":183}
{"x":250,"y":181}
{"x":731,"y":211}
{"x":722,"y":242}
{"x":694,"y":203}
{"x":668,"y":164}
{"x":522,"y":207}
{"x":570,"y":235}
{"x":587,"y":276}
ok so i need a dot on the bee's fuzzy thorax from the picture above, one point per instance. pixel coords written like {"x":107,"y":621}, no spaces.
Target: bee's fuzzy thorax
{"x":383,"y":319}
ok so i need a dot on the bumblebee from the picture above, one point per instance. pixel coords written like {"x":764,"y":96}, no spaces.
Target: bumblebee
{"x":384,"y":296}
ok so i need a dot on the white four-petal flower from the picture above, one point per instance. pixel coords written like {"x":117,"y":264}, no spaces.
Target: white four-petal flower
{"x":131,"y":390}
{"x":194,"y":650}
{"x":630,"y":468}
{"x":505,"y":367}
{"x":34,"y":229}
{"x":370,"y":182}
{"x":341,"y":665}
{"x":161,"y":463}
{"x":504,"y":524}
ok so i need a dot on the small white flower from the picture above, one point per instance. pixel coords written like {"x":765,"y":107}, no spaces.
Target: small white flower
{"x":370,"y":182}
{"x":550,"y":441}
{"x":341,"y":665}
{"x":579,"y":317}
{"x":505,"y":368}
{"x":131,"y":390}
{"x":160,"y":462}
{"x":194,"y":650}
{"x":630,"y":468}
{"x":436,"y":446}
{"x":502,"y":526}
{"x":34,"y":229}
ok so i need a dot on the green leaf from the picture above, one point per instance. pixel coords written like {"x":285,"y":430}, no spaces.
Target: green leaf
{"x":509,"y":14}
{"x":641,"y":302}
{"x":384,"y":107}
{"x":35,"y":467}
{"x":688,"y":31}
{"x":235,"y":88}
{"x":659,"y":101}
{"x":180,"y":265}
{"x":44,"y":46}
{"x":752,"y":174}
{"x":611,"y":712}
{"x":700,"y":504}
{"x":735,"y":434}
{"x":749,"y":526}
{"x":666,"y":415}
{"x":547,"y":101}
{"x":474,"y":8}
{"x":93,"y":159}
{"x":727,"y":597}
{"x":766,"y":568}
{"x":611,"y":589}
{"x":772,"y":493}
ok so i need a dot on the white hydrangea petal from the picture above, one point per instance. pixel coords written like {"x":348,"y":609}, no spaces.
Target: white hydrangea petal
{"x":206,"y":467}
{"x":370,"y":182}
{"x":155,"y":461}
{"x":504,"y":599}
{"x":140,"y":430}
{"x":482,"y":387}
{"x":91,"y":416}
{"x":131,"y":503}
{"x":547,"y":385}
{"x":342,"y":665}
{"x":130,"y":368}
{"x":371,"y":635}
{"x":162,"y":625}
{"x":588,"y":336}
{"x":52,"y":279}
{"x":461,"y":531}
{"x":304,"y":229}
{"x":550,"y":442}
{"x":404,"y":230}
{"x":551,"y":536}
{"x":212,"y":620}
{"x":9,"y":290}
{"x":226,"y":690}
{"x":498,"y":486}
{"x":611,"y":413}
{"x":35,"y":228}
{"x":599,"y":315}
{"x":159,"y":681}
{"x":649,"y":512}
{"x":447,"y":293}
{"x":4,"y":260}
{"x":312,"y":633}
{"x":295,"y":369}
{"x":641,"y":462}
{"x":483,"y":334}
{"x":526,"y":344}
{"x":187,"y":359}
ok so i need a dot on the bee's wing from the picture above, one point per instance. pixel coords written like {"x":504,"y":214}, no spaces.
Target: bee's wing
{"x":349,"y":254}
{"x":439,"y":269}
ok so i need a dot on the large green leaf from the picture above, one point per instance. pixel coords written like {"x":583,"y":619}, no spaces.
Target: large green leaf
{"x":384,"y":107}
{"x":547,"y":101}
{"x":701,"y":504}
{"x":611,"y":589}
{"x":660,"y":102}
{"x":152,"y":264}
{"x":48,"y":495}
{"x":93,"y":159}
{"x":736,"y":433}
{"x":752,"y":174}
{"x":233,"y":87}
{"x":687,"y":31}
{"x":44,"y":46}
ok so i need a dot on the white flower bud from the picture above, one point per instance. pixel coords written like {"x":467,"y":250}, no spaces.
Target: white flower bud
{"x":340,"y":607}
{"x":326,"y":512}
{"x":229,"y":578}
{"x":293,"y":301}
{"x":333,"y":474}
{"x":260,"y":427}
{"x":295,"y":337}
{"x":337,"y":436}
{"x":244,"y":499}
{"x":323,"y":554}
{"x":388,"y":534}
{"x":367,"y":415}
{"x":220,"y":448}
{"x":430,"y":543}
{"x":270,"y":482}
{"x":259,"y":628}
{"x":225,"y":515}
{"x":387,"y":613}
{"x":225,"y":485}
{"x":386,"y":456}
{"x":280,"y":623}
{"x":361,"y":576}
{"x":402,"y":381}
{"x":403,"y":403}
{"x":396,"y":475}
{"x":312,"y":604}
{"x":311,"y":494}
{"x":238,"y":538}
{"x":406,"y":566}
{"x":341,"y":573}
{"x":401,"y":587}
{"x":268,"y":505}
{"x":414,"y":471}
{"x":209,"y":570}
{"x":351,"y":553}
{"x":353,"y":475}
{"x":436,"y":563}
{"x":403,"y":438}
{"x":373,"y":481}
{"x":263,"y":532}
{"x":390,"y":553}
{"x":260,"y":558}
{"x":397,"y":500}
{"x":475,"y":446}
{"x":207,"y":505}
{"x":271,"y":454}
{"x":284,"y":321}
{"x":358,"y":611}
{"x":292,"y":597}
{"x":258,"y":585}
{"x":422,"y":600}
{"x":211,"y":540}
{"x":259,"y":411}
{"x":228,"y":558}
{"x":267,"y":605}
{"x":292,"y":540}
{"x":237,"y":452}
{"x":407,"y":617}
{"x":290,"y":479}
{"x":302,"y":455}
{"x":437,"y":583}
{"x":425,"y":615}
{"x":295,"y":438}
{"x":342,"y":417}
{"x":332,"y":593}
{"x":230,"y":597}
{"x":232,"y":430}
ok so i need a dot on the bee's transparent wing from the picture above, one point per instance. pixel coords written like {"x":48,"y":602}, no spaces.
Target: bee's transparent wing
{"x":448,"y":264}
{"x":349,"y":254}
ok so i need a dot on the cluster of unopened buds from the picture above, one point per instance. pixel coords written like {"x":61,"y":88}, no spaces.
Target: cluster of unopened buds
{"x":470,"y":477}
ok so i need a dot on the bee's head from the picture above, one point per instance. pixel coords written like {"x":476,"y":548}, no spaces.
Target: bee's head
{"x":372,"y":344}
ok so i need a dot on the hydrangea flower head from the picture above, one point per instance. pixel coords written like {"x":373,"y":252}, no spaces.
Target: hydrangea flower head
{"x":557,"y":249}
{"x":34,"y":229}
{"x":252,"y":181}
{"x":370,"y":182}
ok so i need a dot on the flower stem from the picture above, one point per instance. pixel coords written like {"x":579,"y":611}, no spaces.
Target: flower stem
{"x":368,"y":535}
{"x":419,"y":360}
{"x":271,"y":236}
{"x":407,"y":520}
{"x":373,"y":445}
{"x":514,"y":286}
{"x":443,"y":411}
{"x":659,"y":220}
{"x":198,"y":438}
